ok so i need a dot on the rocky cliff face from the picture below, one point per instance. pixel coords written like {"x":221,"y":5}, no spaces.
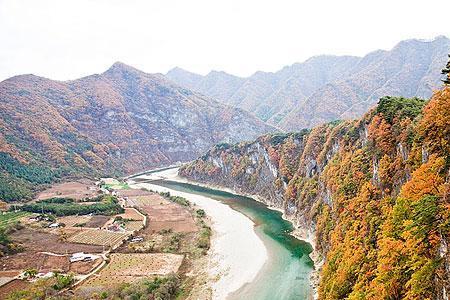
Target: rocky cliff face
{"x":373,"y":193}
{"x":121,"y":120}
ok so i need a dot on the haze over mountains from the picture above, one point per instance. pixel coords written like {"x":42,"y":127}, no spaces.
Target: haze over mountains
{"x":122,"y":119}
{"x":326,"y":88}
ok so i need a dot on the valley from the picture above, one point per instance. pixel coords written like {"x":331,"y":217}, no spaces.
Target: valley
{"x":287,"y":269}
{"x":64,"y":251}
{"x":326,"y":179}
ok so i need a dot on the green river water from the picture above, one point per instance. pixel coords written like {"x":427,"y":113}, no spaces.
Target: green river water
{"x":286,"y":274}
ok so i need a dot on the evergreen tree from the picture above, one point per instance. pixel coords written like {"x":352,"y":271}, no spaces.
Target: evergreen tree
{"x":446,"y":71}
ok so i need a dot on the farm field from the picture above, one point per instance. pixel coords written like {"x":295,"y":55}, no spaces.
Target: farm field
{"x":133,"y":225}
{"x":45,"y":263}
{"x":132,"y":214}
{"x":134,"y":193}
{"x":75,"y":189}
{"x":133,"y":266}
{"x":146,"y":200}
{"x":12,"y":286}
{"x":114,"y":184}
{"x":98,"y":237}
{"x":133,"y":220}
{"x":162,"y":214}
{"x":34,"y":242}
{"x":97,"y":221}
{"x":8,"y":218}
{"x":117,"y":186}
{"x":39,"y":241}
{"x":71,"y":221}
{"x":169,"y":216}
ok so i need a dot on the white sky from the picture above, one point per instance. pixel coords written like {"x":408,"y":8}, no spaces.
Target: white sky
{"x":69,"y":39}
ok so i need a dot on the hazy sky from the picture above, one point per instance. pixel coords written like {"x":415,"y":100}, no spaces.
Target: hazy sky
{"x":69,"y":39}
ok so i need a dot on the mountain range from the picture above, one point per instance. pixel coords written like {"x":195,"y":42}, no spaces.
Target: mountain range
{"x":326,"y":88}
{"x":122,"y":120}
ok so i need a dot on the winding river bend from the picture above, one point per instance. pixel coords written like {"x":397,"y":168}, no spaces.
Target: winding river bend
{"x":285,"y":275}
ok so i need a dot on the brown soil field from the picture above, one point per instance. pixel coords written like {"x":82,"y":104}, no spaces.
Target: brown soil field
{"x":9,"y":273}
{"x":146,"y":200}
{"x":46,"y":263}
{"x":71,"y":221}
{"x":134,"y":193}
{"x":163,"y":214}
{"x":169,"y":217}
{"x":34,"y":242}
{"x":84,"y":267}
{"x":38,"y":241}
{"x":97,"y":221}
{"x":12,"y":286}
{"x":75,"y":189}
{"x":132,"y":267}
{"x":133,"y":225}
{"x":94,"y":221}
{"x":98,"y":237}
{"x":131,"y":214}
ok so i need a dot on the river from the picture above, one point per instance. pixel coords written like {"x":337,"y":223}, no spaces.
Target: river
{"x":286,"y":273}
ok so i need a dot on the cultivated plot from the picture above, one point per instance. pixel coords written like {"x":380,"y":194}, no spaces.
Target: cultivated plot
{"x":134,"y":266}
{"x":98,"y":237}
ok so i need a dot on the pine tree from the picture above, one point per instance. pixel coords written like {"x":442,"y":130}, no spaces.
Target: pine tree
{"x":446,"y":71}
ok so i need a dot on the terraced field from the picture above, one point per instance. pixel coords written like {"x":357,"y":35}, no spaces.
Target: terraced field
{"x":98,"y":237}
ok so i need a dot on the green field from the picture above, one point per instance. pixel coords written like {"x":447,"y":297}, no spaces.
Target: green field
{"x":119,"y":186}
{"x":8,"y":218}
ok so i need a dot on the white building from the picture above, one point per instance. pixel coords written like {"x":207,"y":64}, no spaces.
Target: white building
{"x":81,"y":256}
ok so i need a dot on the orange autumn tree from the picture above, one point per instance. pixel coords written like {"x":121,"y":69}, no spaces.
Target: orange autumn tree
{"x":409,"y":260}
{"x":435,"y":125}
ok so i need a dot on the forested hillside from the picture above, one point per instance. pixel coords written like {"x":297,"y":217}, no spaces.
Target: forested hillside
{"x":117,"y":122}
{"x":372,"y":193}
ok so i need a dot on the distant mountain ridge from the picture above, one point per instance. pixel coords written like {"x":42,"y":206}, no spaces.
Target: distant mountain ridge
{"x":123,"y":120}
{"x":325,"y":88}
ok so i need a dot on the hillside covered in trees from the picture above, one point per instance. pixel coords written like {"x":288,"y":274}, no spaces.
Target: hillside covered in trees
{"x":373,"y":194}
{"x":117,"y":122}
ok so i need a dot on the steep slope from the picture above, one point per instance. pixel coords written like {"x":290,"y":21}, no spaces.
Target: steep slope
{"x":299,"y":81}
{"x":122,"y":120}
{"x":373,"y":195}
{"x":409,"y":69}
{"x":326,"y":88}
{"x":270,"y":96}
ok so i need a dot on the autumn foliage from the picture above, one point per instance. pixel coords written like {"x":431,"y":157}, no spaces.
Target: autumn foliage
{"x":375,"y":190}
